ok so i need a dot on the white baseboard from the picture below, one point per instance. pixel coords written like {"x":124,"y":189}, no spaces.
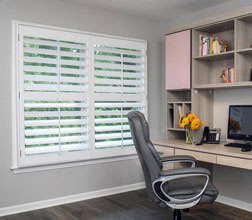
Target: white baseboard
{"x":235,"y":203}
{"x":69,"y":199}
{"x":100,"y":193}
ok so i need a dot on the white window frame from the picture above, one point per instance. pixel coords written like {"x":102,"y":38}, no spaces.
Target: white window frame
{"x":95,"y":157}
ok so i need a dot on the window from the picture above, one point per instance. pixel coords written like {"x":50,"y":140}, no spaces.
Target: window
{"x":73,"y":93}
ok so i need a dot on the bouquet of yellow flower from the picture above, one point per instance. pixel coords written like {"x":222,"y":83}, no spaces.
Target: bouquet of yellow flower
{"x":190,"y":122}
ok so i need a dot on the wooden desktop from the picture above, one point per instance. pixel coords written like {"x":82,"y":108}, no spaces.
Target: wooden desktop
{"x":210,"y":153}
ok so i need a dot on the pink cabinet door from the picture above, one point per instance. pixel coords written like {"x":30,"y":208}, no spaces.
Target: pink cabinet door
{"x":178,"y":61}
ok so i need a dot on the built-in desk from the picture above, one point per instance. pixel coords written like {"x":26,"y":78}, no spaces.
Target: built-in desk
{"x":210,"y":153}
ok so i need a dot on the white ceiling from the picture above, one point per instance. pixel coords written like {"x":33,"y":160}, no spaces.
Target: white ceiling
{"x":160,"y":10}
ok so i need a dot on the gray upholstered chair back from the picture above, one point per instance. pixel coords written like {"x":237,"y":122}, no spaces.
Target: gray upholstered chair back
{"x":148,"y":156}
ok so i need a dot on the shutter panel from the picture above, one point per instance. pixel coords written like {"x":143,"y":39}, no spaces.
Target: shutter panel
{"x":54,"y":92}
{"x":119,"y":87}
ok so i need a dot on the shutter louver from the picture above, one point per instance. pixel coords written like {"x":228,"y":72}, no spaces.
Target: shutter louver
{"x":119,"y":79}
{"x":55,"y":95}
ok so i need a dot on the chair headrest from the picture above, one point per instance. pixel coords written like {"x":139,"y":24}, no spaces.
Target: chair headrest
{"x":140,"y":116}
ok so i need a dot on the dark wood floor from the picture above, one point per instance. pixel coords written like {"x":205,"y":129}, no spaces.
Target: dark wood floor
{"x":129,"y":206}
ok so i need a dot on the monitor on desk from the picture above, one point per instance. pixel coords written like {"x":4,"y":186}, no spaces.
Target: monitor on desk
{"x":240,"y":122}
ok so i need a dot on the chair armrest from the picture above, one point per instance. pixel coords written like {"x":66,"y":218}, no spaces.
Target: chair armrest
{"x":169,"y":175}
{"x":178,"y":159}
{"x":185,"y":171}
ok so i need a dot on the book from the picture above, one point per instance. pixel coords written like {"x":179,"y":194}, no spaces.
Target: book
{"x":211,"y":45}
{"x":226,"y":75}
{"x":229,"y":75}
{"x":232,"y":75}
{"x":171,"y":111}
{"x":208,"y":45}
{"x":201,"y":44}
{"x":180,"y":110}
{"x":204,"y":46}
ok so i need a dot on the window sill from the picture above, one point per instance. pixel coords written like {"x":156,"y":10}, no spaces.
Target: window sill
{"x":17,"y":170}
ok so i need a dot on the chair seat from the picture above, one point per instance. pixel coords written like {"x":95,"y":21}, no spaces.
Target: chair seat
{"x":186,"y":188}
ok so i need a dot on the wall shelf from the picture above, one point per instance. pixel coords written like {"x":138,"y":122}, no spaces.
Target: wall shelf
{"x":245,"y":51}
{"x":219,"y":56}
{"x":224,"y":85}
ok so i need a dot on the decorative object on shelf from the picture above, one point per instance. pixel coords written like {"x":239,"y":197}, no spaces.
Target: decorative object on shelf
{"x":250,"y":46}
{"x":250,"y":74}
{"x":222,"y":77}
{"x":225,"y":46}
{"x":190,"y":122}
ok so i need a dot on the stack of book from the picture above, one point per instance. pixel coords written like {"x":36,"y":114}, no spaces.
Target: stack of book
{"x":211,"y":45}
{"x":229,"y":75}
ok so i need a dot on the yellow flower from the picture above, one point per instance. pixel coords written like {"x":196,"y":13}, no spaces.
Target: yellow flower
{"x":191,"y":117}
{"x":196,"y":124}
{"x":180,"y":120}
{"x":185,"y":122}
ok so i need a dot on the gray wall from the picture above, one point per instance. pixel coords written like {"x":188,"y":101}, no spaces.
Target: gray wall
{"x":209,"y":12}
{"x":29,"y":187}
{"x":232,"y":182}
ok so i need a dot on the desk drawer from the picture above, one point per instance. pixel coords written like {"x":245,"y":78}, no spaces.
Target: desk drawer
{"x":234,"y":162}
{"x":205,"y":157}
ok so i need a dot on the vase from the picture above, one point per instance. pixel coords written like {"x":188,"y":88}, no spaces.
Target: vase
{"x":189,"y":136}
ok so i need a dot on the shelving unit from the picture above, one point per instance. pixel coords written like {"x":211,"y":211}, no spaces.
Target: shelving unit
{"x":177,"y":100}
{"x":206,"y":70}
{"x":244,"y":32}
{"x":243,"y":66}
{"x":243,"y":48}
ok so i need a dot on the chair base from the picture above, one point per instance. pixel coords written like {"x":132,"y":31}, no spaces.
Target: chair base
{"x":176,"y":214}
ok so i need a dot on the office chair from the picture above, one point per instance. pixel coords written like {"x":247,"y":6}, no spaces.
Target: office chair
{"x":179,"y":189}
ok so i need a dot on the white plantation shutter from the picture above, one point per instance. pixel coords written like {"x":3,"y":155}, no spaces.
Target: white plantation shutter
{"x":54,"y":87}
{"x":73,"y":91}
{"x":119,"y":87}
